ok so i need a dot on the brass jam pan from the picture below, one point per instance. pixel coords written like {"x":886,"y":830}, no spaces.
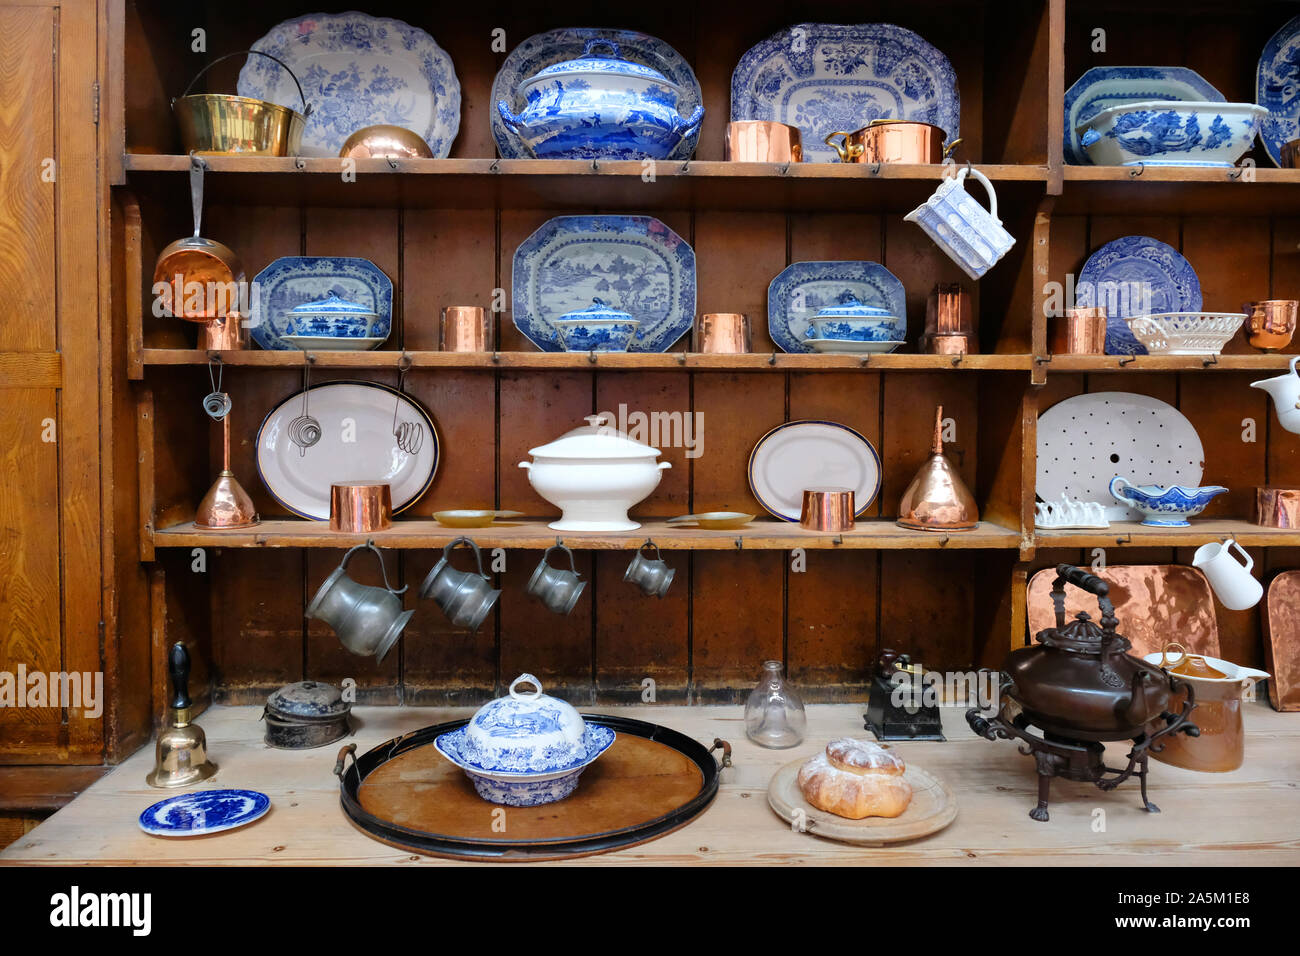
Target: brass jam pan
{"x":217,"y":123}
{"x":893,"y":141}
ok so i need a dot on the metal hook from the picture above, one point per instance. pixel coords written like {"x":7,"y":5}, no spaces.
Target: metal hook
{"x":1135,"y":173}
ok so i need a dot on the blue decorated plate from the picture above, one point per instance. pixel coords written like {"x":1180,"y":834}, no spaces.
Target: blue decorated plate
{"x":1136,"y":275}
{"x":1106,"y":86}
{"x":1277,"y":87}
{"x":805,"y":288}
{"x":356,"y":71}
{"x":454,"y":746}
{"x":292,"y":281}
{"x":634,"y":263}
{"x":555,"y":46}
{"x":207,"y":811}
{"x":824,"y":78}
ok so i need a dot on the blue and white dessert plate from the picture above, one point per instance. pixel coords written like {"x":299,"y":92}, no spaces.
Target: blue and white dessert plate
{"x":1105,"y":86}
{"x":1277,"y":88}
{"x":1132,"y":276}
{"x":293,"y":281}
{"x":803,"y":289}
{"x":204,"y":812}
{"x":825,"y":77}
{"x":543,"y":50}
{"x":356,"y":71}
{"x":635,"y":264}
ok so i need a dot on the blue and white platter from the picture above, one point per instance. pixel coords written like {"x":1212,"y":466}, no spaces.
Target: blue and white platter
{"x":356,"y":71}
{"x":1277,"y":87}
{"x":634,"y":263}
{"x":204,"y":812}
{"x":803,"y":289}
{"x":292,"y":281}
{"x":555,"y":46}
{"x":1106,"y":86}
{"x":824,"y":78}
{"x":1136,"y":275}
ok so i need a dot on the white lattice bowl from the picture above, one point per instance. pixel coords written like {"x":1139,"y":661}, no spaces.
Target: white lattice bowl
{"x":1185,"y":333}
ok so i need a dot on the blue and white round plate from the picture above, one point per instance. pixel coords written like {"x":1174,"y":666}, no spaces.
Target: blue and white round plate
{"x":291,"y":281}
{"x":824,"y":77}
{"x":1136,"y":275}
{"x":356,"y":71}
{"x":555,"y":46}
{"x":803,"y":289}
{"x":1277,"y":87}
{"x":1105,"y":86}
{"x":204,"y":812}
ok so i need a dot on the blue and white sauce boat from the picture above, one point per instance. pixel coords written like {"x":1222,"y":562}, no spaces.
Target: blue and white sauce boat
{"x":1164,"y":507}
{"x":525,"y":749}
{"x":1161,"y":133}
{"x":851,"y":321}
{"x":598,"y":328}
{"x":600,"y":107}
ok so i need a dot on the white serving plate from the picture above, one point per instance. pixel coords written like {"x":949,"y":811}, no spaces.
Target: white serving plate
{"x":812,"y":454}
{"x":356,"y":444}
{"x":1085,"y":441}
{"x":330,"y":343}
{"x":851,"y":346}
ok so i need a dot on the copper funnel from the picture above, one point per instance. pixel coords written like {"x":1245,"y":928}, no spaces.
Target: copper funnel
{"x":226,"y":506}
{"x":937,"y":499}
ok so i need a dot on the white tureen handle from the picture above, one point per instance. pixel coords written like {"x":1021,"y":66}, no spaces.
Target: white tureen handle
{"x":526,"y":679}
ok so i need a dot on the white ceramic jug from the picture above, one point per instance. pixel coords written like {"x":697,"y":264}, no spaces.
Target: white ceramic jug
{"x":972,"y":236}
{"x":1230,"y":577}
{"x":1285,"y":392}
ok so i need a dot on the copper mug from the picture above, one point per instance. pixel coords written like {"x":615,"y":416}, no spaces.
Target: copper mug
{"x":360,"y":506}
{"x":1270,"y":323}
{"x":1079,"y":332}
{"x":466,"y":328}
{"x":722,"y":333}
{"x":827,"y":509}
{"x":762,"y":141}
{"x":893,"y":141}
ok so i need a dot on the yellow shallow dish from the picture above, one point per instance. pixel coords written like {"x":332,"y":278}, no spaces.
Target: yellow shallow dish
{"x":469,"y":518}
{"x":716,"y":520}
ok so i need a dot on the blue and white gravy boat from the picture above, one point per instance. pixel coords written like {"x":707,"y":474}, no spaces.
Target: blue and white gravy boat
{"x":525,"y":749}
{"x":1164,"y":507}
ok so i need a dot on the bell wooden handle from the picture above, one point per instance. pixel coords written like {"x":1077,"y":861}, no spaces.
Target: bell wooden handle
{"x":178,"y":667}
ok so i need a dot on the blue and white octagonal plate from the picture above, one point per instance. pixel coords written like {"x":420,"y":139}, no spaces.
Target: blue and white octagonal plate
{"x":1136,"y":275}
{"x":1277,"y":87}
{"x":357,"y":70}
{"x":292,"y":281}
{"x":824,"y":78}
{"x":1105,"y":86}
{"x":634,"y":263}
{"x":555,"y":46}
{"x":207,"y":811}
{"x":805,"y":288}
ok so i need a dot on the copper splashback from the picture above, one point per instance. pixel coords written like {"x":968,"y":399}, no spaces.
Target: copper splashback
{"x":1155,"y":604}
{"x":1281,"y":620}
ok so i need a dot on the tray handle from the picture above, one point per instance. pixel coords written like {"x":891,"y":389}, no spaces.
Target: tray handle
{"x":720,"y":744}
{"x":349,"y":750}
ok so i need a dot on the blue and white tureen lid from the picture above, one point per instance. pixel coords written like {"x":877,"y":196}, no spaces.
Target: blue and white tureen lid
{"x":600,"y":311}
{"x":850,"y":308}
{"x":525,"y":733}
{"x":330,"y":305}
{"x":590,"y":63}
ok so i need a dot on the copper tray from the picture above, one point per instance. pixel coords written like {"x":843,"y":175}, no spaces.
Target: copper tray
{"x":1282,"y":640}
{"x":1155,"y":604}
{"x":651,"y":781}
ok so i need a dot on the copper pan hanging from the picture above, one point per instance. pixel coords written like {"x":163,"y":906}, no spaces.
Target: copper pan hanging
{"x":199,"y":279}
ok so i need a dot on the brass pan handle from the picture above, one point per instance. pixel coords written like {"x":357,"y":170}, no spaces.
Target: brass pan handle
{"x":846,"y":151}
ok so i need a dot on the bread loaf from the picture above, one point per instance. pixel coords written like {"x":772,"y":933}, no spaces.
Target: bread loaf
{"x":856,"y":779}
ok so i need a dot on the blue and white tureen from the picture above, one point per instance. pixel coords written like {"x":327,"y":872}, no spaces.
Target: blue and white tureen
{"x":525,"y":749}
{"x":600,"y":107}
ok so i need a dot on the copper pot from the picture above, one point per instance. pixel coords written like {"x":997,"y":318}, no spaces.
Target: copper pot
{"x":762,"y":141}
{"x":192,"y":261}
{"x":1078,"y":332}
{"x":893,"y":141}
{"x":466,"y":328}
{"x":1270,"y":323}
{"x":385,"y":142}
{"x":722,"y":333}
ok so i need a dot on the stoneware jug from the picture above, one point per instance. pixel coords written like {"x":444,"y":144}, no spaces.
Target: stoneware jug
{"x":972,"y":236}
{"x":651,"y":575}
{"x":1229,"y":575}
{"x":465,"y":597}
{"x":1284,"y":389}
{"x":558,"y":589}
{"x":368,"y":620}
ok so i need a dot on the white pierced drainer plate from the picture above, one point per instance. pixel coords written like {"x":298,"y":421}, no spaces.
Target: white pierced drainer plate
{"x":1185,"y":333}
{"x":1085,"y":441}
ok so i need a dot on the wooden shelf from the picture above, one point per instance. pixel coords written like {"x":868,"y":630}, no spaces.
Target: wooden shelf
{"x":762,"y":534}
{"x":1136,"y":535}
{"x":1254,"y":362}
{"x":1179,"y":190}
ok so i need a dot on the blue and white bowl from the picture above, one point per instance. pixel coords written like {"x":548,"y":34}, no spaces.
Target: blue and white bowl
{"x":598,"y":328}
{"x":851,"y":321}
{"x":1164,"y":133}
{"x":600,"y":107}
{"x":331,"y":317}
{"x":1164,"y":507}
{"x":525,"y":749}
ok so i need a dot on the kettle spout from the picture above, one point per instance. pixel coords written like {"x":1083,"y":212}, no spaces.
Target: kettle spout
{"x":1138,"y":711}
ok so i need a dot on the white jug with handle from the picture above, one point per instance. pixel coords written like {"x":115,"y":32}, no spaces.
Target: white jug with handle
{"x":972,"y":236}
{"x":1285,"y":392}
{"x":1234,"y":585}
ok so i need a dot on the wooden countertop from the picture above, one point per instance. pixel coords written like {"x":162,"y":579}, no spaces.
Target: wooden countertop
{"x":1245,"y":817}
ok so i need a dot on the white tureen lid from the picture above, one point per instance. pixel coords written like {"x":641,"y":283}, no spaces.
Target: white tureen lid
{"x":594,"y":440}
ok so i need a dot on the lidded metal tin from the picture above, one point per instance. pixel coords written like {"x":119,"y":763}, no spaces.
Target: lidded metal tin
{"x":305,"y":715}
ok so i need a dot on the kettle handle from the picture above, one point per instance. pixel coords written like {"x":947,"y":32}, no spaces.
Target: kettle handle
{"x":379,"y":556}
{"x":1087,"y":582}
{"x":478,"y":555}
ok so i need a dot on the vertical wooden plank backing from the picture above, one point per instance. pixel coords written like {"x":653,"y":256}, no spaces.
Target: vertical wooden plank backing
{"x":1229,"y":460}
{"x":737,"y":255}
{"x":927,"y":606}
{"x":449,"y":258}
{"x":1231,"y":259}
{"x":919,"y":264}
{"x":832,"y":608}
{"x":257,"y":618}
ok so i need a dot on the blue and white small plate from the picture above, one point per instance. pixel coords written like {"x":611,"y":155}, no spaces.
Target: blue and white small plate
{"x":1105,"y":86}
{"x":204,"y":812}
{"x":1136,"y":275}
{"x":1277,"y":87}
{"x":291,"y":281}
{"x":805,"y":288}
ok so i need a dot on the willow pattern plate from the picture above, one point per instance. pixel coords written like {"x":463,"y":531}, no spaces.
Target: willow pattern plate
{"x":207,"y":811}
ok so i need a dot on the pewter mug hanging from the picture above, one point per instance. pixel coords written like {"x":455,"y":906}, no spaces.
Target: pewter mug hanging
{"x":368,"y":620}
{"x":465,"y":597}
{"x":651,"y":575}
{"x":558,"y":589}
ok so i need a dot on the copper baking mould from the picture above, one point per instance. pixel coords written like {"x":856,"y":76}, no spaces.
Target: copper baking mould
{"x":1282,"y":641}
{"x":466,"y":328}
{"x":722,"y":333}
{"x":1078,"y":332}
{"x":892,"y":141}
{"x":950,"y":326}
{"x":385,"y":142}
{"x":360,"y":506}
{"x":1270,"y":323}
{"x":762,"y":141}
{"x":1277,"y":507}
{"x":827,"y":509}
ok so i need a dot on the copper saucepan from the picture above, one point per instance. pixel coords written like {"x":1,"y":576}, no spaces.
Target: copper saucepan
{"x":893,"y":141}
{"x":213,"y":266}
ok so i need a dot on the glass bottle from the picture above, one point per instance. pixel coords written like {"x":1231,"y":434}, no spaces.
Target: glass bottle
{"x":774,"y":715}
